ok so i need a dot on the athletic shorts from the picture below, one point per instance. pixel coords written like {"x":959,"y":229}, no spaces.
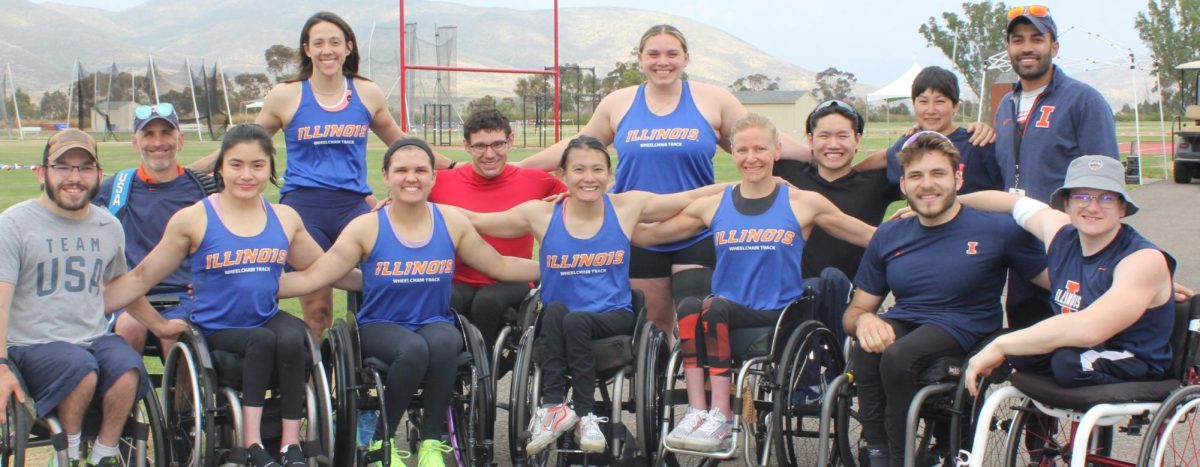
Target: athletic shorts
{"x":51,"y":371}
{"x":325,"y":212}
{"x":181,"y":311}
{"x":647,"y":264}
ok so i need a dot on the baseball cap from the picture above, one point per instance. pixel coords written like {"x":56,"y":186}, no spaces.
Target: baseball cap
{"x":1038,"y":15}
{"x":66,"y":140}
{"x":145,"y":114}
{"x":1098,"y":173}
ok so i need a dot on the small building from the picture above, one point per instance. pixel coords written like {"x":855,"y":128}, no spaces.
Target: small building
{"x":787,"y":109}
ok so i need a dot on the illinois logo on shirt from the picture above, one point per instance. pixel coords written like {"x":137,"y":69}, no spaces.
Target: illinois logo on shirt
{"x":972,"y":248}
{"x":1068,"y":297}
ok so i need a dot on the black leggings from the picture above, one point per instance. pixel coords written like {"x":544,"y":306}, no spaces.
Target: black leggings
{"x":428,"y":356}
{"x":485,"y":306}
{"x":887,"y":382}
{"x":566,"y":337}
{"x":718,"y":316}
{"x":277,"y":347}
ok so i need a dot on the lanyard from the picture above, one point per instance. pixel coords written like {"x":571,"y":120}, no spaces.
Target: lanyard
{"x":1018,"y":135}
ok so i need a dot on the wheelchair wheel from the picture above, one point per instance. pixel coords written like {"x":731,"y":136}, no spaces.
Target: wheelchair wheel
{"x":318,"y":425}
{"x":186,"y":395}
{"x":143,"y":442}
{"x":1037,"y":439}
{"x":851,"y":446}
{"x":649,"y":381}
{"x":810,"y":360}
{"x":339,"y":372}
{"x":1171,"y":438}
{"x":523,"y":400}
{"x":963,"y":422}
{"x":472,"y":407}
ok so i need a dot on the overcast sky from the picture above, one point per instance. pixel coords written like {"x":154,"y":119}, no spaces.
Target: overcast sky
{"x":874,"y":39}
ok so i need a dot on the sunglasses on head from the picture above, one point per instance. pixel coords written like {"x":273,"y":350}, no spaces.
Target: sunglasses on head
{"x":835,"y":103}
{"x":162,"y":110}
{"x":912,"y":139}
{"x":1040,"y":11}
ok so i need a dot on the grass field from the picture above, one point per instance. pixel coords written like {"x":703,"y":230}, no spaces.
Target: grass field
{"x":20,"y":185}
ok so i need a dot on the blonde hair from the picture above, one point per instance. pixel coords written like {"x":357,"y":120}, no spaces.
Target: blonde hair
{"x":662,"y":29}
{"x":753,"y":120}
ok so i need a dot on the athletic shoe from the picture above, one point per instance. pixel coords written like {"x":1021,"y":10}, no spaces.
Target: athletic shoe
{"x":875,"y":457}
{"x":591,"y":439}
{"x":258,"y":457}
{"x":293,"y":457}
{"x":398,"y":455}
{"x":53,"y":462}
{"x":713,"y":434}
{"x":692,"y":419}
{"x":547,"y":425}
{"x":431,"y":453}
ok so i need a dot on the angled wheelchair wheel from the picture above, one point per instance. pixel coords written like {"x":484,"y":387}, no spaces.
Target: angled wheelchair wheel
{"x":472,"y":407}
{"x":1173,"y":436}
{"x":649,"y":380}
{"x":522,"y":398}
{"x":187,"y":390}
{"x":143,"y":442}
{"x":1037,"y":439}
{"x":340,"y":372}
{"x":851,"y":446}
{"x":811,"y":359}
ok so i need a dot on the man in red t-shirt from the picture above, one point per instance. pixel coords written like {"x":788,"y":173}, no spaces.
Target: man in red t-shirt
{"x":490,"y":184}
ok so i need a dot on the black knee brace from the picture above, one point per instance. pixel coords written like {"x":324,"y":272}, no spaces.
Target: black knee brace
{"x":695,"y":282}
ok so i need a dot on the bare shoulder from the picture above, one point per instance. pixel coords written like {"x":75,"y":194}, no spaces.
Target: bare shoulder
{"x":371,"y":94}
{"x":710,"y":94}
{"x":287,"y":216}
{"x":190,"y":220}
{"x":283,"y":93}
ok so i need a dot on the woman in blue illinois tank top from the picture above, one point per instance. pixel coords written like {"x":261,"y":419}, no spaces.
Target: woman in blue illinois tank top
{"x":406,"y":254}
{"x":585,"y":254}
{"x":326,"y":113}
{"x":666,"y":132}
{"x":238,"y":244}
{"x":1111,"y":288}
{"x":759,"y":229}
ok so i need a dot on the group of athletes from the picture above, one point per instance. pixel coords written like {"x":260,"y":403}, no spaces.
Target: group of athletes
{"x":1092,"y":299}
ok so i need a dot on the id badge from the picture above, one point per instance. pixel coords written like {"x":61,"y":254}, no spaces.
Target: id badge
{"x":1016,"y":191}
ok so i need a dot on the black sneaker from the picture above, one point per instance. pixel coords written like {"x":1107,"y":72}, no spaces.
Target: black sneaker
{"x":293,"y":457}
{"x":110,"y":461}
{"x":258,"y":457}
{"x":877,"y":457}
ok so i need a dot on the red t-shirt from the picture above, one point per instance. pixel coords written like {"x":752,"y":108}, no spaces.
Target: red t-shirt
{"x":464,"y":188}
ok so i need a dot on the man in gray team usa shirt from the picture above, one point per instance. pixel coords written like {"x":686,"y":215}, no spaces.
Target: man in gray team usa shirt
{"x":56,"y":254}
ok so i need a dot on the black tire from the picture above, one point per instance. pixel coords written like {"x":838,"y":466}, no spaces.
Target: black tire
{"x":648,"y":382}
{"x":1037,"y":439}
{"x":794,"y":426}
{"x":475,"y":402}
{"x":145,"y":420}
{"x":521,"y":403}
{"x":186,"y":403}
{"x":1180,"y":442}
{"x":848,"y":430}
{"x":1182,"y":172}
{"x":342,"y":378}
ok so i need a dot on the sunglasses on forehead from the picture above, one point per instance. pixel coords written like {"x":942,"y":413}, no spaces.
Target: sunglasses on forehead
{"x":912,"y":139}
{"x":835,"y":103}
{"x":1040,"y":11}
{"x":162,"y":110}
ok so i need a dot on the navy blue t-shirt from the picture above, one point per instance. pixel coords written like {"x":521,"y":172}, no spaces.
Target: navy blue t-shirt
{"x":1078,"y":281}
{"x":978,"y":164}
{"x":949,"y":275}
{"x":145,"y":217}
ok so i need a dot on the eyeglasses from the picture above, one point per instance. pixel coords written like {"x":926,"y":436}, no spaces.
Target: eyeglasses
{"x":162,"y":110}
{"x":912,"y":139}
{"x":64,"y":170}
{"x":1083,"y":200}
{"x":480,"y":148}
{"x":1040,"y":11}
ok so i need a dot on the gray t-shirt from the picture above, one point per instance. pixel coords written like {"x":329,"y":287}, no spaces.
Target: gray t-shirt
{"x":58,"y":267}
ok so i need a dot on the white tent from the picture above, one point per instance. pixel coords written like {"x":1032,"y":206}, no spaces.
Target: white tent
{"x":900,"y":88}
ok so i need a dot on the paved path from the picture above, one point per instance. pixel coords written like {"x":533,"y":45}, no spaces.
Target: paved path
{"x":1170,"y":216}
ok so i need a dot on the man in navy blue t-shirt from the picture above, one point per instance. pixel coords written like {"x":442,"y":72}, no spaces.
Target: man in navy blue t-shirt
{"x":144,"y":199}
{"x":946,"y":266}
{"x":1044,"y":123}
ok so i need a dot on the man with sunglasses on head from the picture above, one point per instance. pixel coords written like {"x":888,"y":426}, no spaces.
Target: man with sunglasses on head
{"x":490,"y":184}
{"x":144,"y":199}
{"x":1044,"y":123}
{"x":946,"y":267}
{"x":57,"y":252}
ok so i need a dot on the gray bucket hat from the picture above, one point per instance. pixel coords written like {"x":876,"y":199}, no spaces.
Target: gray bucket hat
{"x":1098,"y":173}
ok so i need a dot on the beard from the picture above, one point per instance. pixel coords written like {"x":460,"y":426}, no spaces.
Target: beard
{"x":930,"y":211}
{"x":67,"y":205}
{"x":1039,"y":71}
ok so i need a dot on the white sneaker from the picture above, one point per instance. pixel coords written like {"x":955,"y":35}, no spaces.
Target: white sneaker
{"x":713,"y":434}
{"x":547,"y":424}
{"x":591,"y":439}
{"x":692,"y":419}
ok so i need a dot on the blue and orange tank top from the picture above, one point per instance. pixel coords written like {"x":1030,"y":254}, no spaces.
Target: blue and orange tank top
{"x":405,"y":282}
{"x":1077,"y":281}
{"x":758,"y":256}
{"x":586,"y":274}
{"x":665,"y":154}
{"x":327,"y":147}
{"x":235,"y":278}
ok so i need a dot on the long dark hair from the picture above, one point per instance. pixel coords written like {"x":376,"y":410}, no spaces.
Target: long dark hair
{"x":349,"y":67}
{"x":245,"y":133}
